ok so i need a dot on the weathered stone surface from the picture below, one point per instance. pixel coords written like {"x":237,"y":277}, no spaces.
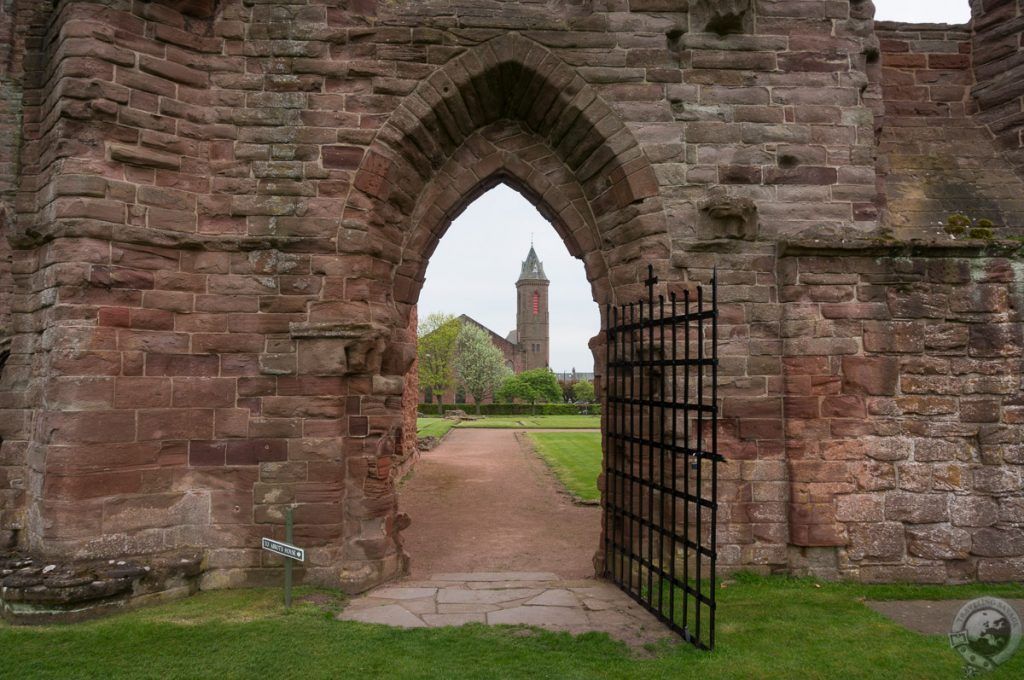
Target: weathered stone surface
{"x":216,"y":223}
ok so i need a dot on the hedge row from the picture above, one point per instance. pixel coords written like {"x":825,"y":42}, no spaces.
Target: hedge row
{"x":517,"y":409}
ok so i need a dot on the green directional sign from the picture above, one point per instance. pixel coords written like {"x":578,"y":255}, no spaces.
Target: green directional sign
{"x":293,"y":553}
{"x":284,"y":549}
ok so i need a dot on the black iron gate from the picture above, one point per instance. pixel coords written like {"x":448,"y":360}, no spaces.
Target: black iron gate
{"x":661,"y":457}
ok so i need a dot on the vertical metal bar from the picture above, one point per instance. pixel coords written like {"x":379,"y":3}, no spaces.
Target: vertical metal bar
{"x":621,"y":414}
{"x":631,"y":519}
{"x":609,"y":525}
{"x":639,"y":471}
{"x":661,"y":460}
{"x":686,"y":457}
{"x":289,"y":539}
{"x":699,"y":458}
{"x":714,"y":452}
{"x":673,"y":544}
{"x":649,"y":398}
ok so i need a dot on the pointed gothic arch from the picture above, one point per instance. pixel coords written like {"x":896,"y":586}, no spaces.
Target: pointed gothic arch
{"x":510,"y":111}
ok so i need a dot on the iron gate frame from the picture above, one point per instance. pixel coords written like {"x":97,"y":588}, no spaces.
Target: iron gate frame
{"x":627,"y":366}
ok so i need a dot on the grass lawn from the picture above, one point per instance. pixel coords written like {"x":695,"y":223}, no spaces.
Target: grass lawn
{"x":768,"y":628}
{"x":536,"y":422}
{"x":433,"y":427}
{"x":575,"y":458}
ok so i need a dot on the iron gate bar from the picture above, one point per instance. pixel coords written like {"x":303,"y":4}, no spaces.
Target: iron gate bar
{"x":638,"y":531}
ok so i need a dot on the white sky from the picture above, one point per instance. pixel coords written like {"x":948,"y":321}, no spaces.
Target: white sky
{"x":474,"y":269}
{"x":924,"y":11}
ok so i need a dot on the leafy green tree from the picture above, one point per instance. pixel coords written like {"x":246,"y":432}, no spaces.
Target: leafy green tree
{"x":583,"y":391}
{"x":435,"y":352}
{"x":479,"y":365}
{"x":536,"y":385}
{"x":566,"y":387}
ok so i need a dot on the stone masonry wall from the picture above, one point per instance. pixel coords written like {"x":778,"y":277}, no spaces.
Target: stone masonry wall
{"x":999,"y":73}
{"x":225,"y":214}
{"x":937,"y":156}
{"x":902,"y":380}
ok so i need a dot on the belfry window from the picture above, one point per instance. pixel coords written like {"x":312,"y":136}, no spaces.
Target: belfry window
{"x":536,"y":303}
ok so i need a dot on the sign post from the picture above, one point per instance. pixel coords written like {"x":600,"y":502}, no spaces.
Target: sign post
{"x":290,"y":552}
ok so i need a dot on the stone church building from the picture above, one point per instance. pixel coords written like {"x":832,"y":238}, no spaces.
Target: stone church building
{"x":217,"y":215}
{"x":529,"y":345}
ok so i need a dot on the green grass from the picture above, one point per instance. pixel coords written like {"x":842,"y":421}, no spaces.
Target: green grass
{"x":574,"y":457}
{"x":433,"y":427}
{"x":536,"y":422}
{"x":767,"y":628}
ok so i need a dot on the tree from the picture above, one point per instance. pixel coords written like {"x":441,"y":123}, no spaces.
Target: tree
{"x":583,"y":391}
{"x":479,"y":365}
{"x":539,"y":384}
{"x":566,"y":387}
{"x":435,"y":352}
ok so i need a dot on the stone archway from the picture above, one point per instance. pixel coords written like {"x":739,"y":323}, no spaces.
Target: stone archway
{"x":506,"y":111}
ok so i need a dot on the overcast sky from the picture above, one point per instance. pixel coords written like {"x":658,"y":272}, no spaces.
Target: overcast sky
{"x":475,"y":267}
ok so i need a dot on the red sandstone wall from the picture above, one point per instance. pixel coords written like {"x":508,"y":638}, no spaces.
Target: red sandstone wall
{"x":223,"y":225}
{"x":903,"y":411}
{"x":19,"y":30}
{"x":999,"y":73}
{"x":936,"y":156}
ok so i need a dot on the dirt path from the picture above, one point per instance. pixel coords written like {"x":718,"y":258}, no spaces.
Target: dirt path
{"x":481,"y":501}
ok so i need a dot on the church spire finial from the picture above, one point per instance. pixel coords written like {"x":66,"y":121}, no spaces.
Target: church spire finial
{"x":532,"y":268}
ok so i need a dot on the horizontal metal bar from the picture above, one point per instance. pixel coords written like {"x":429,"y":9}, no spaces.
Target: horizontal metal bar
{"x":673,"y":580}
{"x":642,"y":363}
{"x":684,"y":539}
{"x":657,"y":403}
{"x":667,"y":490}
{"x":678,"y":320}
{"x":696,"y":453}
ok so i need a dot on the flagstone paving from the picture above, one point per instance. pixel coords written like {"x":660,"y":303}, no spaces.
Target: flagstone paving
{"x":517,"y":598}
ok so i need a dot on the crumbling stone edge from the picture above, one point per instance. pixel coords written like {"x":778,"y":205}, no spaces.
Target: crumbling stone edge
{"x":34,"y":592}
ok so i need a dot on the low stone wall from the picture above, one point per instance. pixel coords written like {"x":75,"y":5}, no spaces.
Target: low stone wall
{"x":33,"y":592}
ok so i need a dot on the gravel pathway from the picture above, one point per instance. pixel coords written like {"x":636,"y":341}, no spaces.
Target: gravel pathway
{"x":483,"y":502}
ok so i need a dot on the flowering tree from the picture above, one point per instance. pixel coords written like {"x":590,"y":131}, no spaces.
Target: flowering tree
{"x":479,"y":365}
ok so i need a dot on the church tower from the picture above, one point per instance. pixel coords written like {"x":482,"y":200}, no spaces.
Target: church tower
{"x":532,"y":335}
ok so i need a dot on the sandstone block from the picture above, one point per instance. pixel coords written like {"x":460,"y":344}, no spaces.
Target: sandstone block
{"x":916,"y":508}
{"x":974,"y":511}
{"x":870,"y":375}
{"x":877,"y":541}
{"x":993,"y":542}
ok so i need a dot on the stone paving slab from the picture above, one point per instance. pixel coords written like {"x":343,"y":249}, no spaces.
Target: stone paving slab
{"x":555,"y":598}
{"x":539,"y":615}
{"x":388,"y":615}
{"x":517,"y":598}
{"x":498,"y":576}
{"x":404,"y":593}
{"x":466,"y":596}
{"x":931,"y":617}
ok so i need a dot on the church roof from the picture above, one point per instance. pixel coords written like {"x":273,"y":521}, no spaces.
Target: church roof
{"x":533,"y":268}
{"x":495,"y":338}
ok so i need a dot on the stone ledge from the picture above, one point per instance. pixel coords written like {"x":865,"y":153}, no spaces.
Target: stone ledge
{"x":914,"y":248}
{"x":338,"y":329}
{"x":34,"y":592}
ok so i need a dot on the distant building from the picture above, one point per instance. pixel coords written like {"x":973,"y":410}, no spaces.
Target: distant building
{"x":529,"y":345}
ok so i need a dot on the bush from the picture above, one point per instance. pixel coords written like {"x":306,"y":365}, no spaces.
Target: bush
{"x":517,"y":409}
